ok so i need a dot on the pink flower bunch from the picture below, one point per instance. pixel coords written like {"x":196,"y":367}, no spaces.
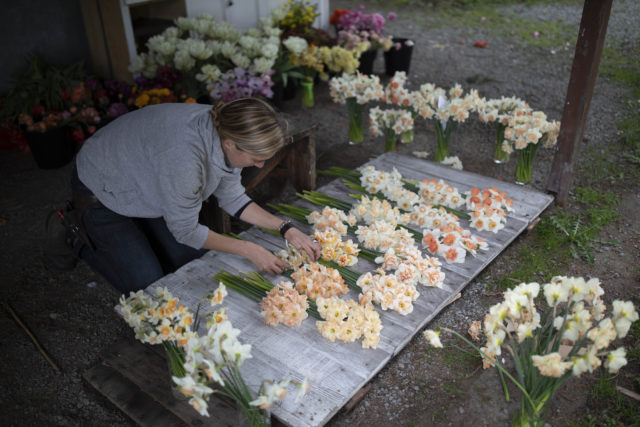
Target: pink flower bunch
{"x":240,"y":83}
{"x":359,"y":21}
{"x":283,"y":304}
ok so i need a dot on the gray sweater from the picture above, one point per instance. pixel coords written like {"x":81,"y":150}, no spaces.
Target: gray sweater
{"x":162,"y":161}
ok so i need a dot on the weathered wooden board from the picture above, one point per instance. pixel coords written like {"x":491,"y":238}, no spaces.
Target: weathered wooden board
{"x":337,"y":370}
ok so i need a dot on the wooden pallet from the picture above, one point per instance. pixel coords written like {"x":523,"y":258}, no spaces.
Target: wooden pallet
{"x":337,"y":371}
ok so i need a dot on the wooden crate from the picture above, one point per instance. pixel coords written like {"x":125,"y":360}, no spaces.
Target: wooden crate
{"x":337,"y":371}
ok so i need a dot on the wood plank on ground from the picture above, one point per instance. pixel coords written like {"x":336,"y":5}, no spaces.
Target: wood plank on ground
{"x":337,"y":370}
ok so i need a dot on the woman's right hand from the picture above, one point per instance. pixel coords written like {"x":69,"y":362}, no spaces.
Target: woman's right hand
{"x":265,"y":261}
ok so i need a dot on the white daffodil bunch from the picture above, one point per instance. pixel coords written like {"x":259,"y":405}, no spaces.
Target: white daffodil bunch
{"x":362,"y":87}
{"x":531,"y":128}
{"x":374,"y":209}
{"x":437,"y":191}
{"x":489,"y":208}
{"x":374,"y":180}
{"x":502,"y":110}
{"x":391,"y":291}
{"x":432,"y":102}
{"x":395,"y":120}
{"x":570,"y":336}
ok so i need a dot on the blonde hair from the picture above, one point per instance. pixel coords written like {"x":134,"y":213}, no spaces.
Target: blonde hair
{"x":251,"y":123}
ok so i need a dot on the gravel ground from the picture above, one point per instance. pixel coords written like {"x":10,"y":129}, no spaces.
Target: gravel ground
{"x":72,"y":313}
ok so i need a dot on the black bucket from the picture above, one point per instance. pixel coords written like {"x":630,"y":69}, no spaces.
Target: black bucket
{"x":398,"y":58}
{"x":51,"y":149}
{"x":367,"y":58}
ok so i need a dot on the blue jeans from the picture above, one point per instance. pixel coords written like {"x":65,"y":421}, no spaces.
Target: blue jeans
{"x":131,"y":253}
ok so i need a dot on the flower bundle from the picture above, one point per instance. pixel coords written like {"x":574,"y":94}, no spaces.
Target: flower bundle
{"x":348,"y":321}
{"x":530,"y":128}
{"x":240,"y":83}
{"x":501,"y":110}
{"x":374,"y":180}
{"x":344,"y":253}
{"x":409,"y":264}
{"x":309,"y":60}
{"x":426,"y":216}
{"x":333,"y":218}
{"x":391,"y":291}
{"x":367,"y":26}
{"x":216,"y":358}
{"x":383,"y":235}
{"x":157,"y":319}
{"x":298,"y":15}
{"x":489,"y":208}
{"x":154,"y":96}
{"x":395,"y":92}
{"x":432,"y":102}
{"x":569,"y":337}
{"x":361,"y":87}
{"x":374,"y":209}
{"x":381,"y":121}
{"x":452,"y":243}
{"x":437,"y":191}
{"x":318,"y":281}
{"x":340,"y":60}
{"x":283,"y":304}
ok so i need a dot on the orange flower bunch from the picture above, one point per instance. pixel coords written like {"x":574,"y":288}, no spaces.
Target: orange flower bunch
{"x":316,"y":280}
{"x":283,"y":304}
{"x":490,"y":207}
{"x":435,"y":191}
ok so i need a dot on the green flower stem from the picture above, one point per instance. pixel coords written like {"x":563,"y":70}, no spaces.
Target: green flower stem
{"x":389,"y":140}
{"x":524,"y":168}
{"x":499,"y":155}
{"x":355,"y":109}
{"x":406,"y":137}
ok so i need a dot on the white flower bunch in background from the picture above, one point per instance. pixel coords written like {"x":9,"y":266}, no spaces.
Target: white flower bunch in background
{"x":395,"y":92}
{"x":374,"y":209}
{"x":374,"y":180}
{"x":381,"y":121}
{"x":501,"y":110}
{"x":452,"y":161}
{"x":530,"y":128}
{"x":432,"y":102}
{"x":362,"y":87}
{"x":348,"y":321}
{"x":570,"y":336}
{"x":426,"y":216}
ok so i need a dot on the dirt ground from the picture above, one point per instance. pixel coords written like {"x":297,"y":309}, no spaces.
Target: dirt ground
{"x":72,"y":313}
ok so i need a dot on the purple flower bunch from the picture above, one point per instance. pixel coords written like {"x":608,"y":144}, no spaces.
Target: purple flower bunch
{"x":240,"y":83}
{"x":356,"y":20}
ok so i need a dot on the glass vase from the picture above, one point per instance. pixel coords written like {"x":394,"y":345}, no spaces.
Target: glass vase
{"x":389,"y":140}
{"x":406,"y":137}
{"x":355,"y":120}
{"x":443,"y":135}
{"x":307,"y":93}
{"x":499,"y":155}
{"x":524,"y":167}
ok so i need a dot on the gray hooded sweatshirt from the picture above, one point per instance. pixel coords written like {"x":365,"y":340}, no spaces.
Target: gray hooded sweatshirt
{"x":162,"y":161}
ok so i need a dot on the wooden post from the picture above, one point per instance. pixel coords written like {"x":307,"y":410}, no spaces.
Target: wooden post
{"x":593,"y":27}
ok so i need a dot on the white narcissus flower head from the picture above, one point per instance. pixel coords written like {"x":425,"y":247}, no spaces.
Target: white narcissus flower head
{"x":551,"y":365}
{"x":624,"y":313}
{"x":433,"y":337}
{"x":555,"y":293}
{"x":616,"y":360}
{"x":296,"y":45}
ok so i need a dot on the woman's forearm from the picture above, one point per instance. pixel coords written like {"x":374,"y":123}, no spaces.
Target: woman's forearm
{"x":254,"y":214}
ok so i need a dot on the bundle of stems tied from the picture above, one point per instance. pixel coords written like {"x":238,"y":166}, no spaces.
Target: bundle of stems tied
{"x":255,"y":287}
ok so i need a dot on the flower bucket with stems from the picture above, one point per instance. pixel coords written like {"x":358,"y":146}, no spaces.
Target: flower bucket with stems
{"x":52,"y":148}
{"x":398,"y":58}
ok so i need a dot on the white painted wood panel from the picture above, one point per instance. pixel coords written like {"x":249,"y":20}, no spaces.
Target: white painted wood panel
{"x":337,"y":370}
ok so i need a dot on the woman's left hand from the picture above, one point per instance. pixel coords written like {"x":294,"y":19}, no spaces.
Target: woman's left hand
{"x":302,"y":242}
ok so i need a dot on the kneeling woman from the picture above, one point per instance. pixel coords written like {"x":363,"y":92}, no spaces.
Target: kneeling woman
{"x":149,"y":172}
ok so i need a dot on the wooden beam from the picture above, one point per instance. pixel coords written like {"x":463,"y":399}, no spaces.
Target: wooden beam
{"x":593,"y":27}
